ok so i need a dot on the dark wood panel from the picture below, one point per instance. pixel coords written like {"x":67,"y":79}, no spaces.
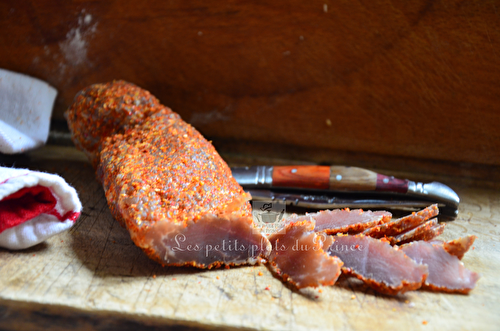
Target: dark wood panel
{"x":415,"y":79}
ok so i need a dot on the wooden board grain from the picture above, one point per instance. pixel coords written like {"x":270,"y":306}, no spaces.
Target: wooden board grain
{"x":389,"y":77}
{"x":94,"y":278}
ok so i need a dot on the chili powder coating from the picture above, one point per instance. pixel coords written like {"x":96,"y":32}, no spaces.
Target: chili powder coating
{"x":163,"y":180}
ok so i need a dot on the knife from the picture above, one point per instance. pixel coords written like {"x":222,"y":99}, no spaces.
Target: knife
{"x":323,"y":187}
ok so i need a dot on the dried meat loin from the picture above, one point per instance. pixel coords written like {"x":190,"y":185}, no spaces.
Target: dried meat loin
{"x":163,"y":181}
{"x":417,"y":232}
{"x":345,"y":220}
{"x":378,"y":264}
{"x":298,"y":255}
{"x":400,"y":225}
{"x":446,"y":272}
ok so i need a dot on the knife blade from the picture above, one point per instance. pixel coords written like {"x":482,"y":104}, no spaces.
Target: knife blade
{"x":328,"y":201}
{"x":323,"y":181}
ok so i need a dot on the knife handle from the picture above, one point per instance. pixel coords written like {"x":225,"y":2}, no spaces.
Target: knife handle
{"x":336,"y":178}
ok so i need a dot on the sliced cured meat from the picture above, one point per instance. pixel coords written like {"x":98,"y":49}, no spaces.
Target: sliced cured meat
{"x":348,"y":221}
{"x":298,"y":255}
{"x":378,"y":264}
{"x":457,"y":247}
{"x":413,"y":233}
{"x":163,"y":181}
{"x":400,"y":225}
{"x":446,"y":272}
{"x":460,"y":246}
{"x":427,"y":233}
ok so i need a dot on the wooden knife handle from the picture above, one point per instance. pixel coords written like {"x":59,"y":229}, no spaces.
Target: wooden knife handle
{"x":336,"y":178}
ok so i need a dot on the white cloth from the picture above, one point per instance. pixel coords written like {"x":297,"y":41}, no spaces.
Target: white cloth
{"x":25,"y":108}
{"x":67,"y":208}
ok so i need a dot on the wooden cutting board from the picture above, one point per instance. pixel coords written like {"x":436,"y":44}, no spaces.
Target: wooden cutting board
{"x":380,"y":76}
{"x":94,"y":277}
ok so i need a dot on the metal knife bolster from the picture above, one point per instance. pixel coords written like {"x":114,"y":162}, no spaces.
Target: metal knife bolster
{"x":254,"y":177}
{"x":434,"y":191}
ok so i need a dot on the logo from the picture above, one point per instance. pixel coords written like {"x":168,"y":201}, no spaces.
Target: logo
{"x":269,"y":216}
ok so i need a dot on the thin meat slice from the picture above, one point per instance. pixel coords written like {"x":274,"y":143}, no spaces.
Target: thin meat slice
{"x":298,"y":255}
{"x":457,"y":247}
{"x":446,"y":272}
{"x":413,"y":233}
{"x":460,"y":246}
{"x":426,"y":234}
{"x":378,"y":264}
{"x":400,"y":225}
{"x":348,"y":221}
{"x":163,"y":180}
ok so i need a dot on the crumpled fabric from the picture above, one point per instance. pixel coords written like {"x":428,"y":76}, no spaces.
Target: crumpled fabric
{"x":34,"y":206}
{"x":25,"y":109}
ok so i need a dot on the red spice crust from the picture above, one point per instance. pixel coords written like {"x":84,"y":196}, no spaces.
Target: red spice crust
{"x":382,"y":287}
{"x":102,"y":110}
{"x":460,"y":246}
{"x":403,"y":224}
{"x":410,"y":235}
{"x":427,"y":234}
{"x":435,"y":288}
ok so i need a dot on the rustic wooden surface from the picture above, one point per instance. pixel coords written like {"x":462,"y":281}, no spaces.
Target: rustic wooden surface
{"x":388,"y":77}
{"x":94,"y":278}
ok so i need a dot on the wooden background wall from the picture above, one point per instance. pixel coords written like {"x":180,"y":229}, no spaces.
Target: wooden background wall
{"x":411,"y":79}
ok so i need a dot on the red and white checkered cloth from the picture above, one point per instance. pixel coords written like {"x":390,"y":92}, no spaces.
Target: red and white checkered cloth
{"x":34,"y":206}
